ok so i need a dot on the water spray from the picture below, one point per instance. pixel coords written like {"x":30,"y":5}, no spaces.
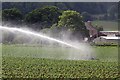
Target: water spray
{"x":37,"y":34}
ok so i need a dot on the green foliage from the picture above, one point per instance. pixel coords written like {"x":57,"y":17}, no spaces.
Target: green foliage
{"x":112,"y":12}
{"x":86,"y":16}
{"x":11,"y":14}
{"x":61,"y":5}
{"x":90,"y":7}
{"x":99,"y":28}
{"x":72,"y":20}
{"x":47,"y":14}
{"x":33,"y":17}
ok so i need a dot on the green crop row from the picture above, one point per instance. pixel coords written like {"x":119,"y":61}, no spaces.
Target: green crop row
{"x":47,"y":68}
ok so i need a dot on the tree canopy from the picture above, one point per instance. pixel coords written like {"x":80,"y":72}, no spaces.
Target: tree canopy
{"x":48,"y":14}
{"x":86,"y":16}
{"x":90,"y":7}
{"x":11,"y":14}
{"x":112,"y":12}
{"x":72,"y":20}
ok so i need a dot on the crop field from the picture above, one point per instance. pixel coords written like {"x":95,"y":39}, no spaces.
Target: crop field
{"x":107,"y":25}
{"x":25,"y":62}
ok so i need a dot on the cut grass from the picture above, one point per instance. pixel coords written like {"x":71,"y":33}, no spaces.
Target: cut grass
{"x":107,"y":25}
{"x":106,"y":53}
{"x":35,"y":51}
{"x":109,"y":53}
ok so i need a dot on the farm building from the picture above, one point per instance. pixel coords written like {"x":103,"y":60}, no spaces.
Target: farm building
{"x":109,"y":33}
{"x":108,"y":37}
{"x":104,"y":37}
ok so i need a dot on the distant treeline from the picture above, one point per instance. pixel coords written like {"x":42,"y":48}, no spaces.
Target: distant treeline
{"x":98,"y":10}
{"x":90,"y":7}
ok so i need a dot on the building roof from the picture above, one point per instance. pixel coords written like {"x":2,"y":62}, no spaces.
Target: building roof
{"x":111,"y":31}
{"x":111,"y":38}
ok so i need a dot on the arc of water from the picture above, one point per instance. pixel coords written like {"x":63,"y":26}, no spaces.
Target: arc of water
{"x":39,"y":35}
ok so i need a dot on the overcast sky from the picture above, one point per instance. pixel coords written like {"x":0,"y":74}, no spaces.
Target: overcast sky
{"x":60,"y":0}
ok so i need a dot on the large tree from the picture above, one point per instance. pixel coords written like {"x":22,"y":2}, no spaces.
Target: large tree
{"x":11,"y":14}
{"x":72,"y":20}
{"x":47,"y":15}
